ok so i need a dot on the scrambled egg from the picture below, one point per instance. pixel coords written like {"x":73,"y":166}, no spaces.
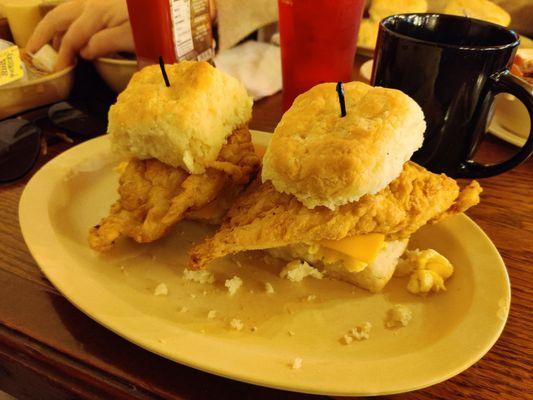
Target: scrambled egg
{"x":427,"y":270}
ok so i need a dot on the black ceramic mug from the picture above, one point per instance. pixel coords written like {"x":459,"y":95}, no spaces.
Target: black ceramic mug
{"x":453,"y":67}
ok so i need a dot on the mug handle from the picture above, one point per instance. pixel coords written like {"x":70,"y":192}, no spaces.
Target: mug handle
{"x":504,"y":82}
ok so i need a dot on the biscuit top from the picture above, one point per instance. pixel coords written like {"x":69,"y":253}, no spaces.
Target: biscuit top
{"x":184,"y":125}
{"x":326,"y":160}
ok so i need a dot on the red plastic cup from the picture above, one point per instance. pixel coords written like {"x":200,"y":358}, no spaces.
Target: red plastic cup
{"x":318,"y":43}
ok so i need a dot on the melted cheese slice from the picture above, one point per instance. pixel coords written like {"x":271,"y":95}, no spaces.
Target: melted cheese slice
{"x":364,"y":248}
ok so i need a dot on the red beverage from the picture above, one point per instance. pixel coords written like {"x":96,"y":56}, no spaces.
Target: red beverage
{"x":318,"y":42}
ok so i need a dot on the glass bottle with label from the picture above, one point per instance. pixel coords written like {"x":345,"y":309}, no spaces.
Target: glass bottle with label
{"x":173,"y":29}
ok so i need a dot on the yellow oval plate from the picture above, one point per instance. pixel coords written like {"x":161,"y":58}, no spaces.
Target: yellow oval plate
{"x":449,"y":331}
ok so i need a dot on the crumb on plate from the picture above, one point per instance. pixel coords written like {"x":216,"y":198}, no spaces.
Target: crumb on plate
{"x":360,"y":332}
{"x":236,"y":324}
{"x":161,"y":290}
{"x":269,"y":289}
{"x":297,"y":363}
{"x":347,"y":339}
{"x":199,"y":276}
{"x":233,"y":284}
{"x":297,"y":270}
{"x":398,"y":316}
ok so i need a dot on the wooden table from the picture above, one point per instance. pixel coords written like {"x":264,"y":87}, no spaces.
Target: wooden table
{"x":49,"y":349}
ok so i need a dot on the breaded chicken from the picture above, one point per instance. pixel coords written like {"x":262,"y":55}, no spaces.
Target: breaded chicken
{"x":264,"y":218}
{"x":154,"y":196}
{"x":214,"y":212}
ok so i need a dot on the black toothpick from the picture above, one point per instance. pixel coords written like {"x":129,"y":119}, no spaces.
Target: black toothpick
{"x":163,"y":71}
{"x":340,"y":92}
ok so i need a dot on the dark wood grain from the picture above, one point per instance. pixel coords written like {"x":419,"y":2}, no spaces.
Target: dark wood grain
{"x":48,"y":349}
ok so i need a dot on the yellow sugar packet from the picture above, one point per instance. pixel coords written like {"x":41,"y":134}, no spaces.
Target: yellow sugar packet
{"x":10,"y":65}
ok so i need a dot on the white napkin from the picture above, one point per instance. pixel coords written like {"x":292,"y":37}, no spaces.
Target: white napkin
{"x":256,"y":64}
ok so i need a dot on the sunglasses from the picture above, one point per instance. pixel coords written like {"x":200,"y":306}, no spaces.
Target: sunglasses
{"x":23,"y":141}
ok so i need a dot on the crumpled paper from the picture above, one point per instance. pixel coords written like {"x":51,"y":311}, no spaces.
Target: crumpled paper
{"x":256,"y":64}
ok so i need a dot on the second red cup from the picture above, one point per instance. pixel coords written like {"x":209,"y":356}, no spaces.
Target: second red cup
{"x":318,"y":42}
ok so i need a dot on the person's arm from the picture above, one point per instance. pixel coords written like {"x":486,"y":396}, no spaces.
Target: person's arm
{"x":92,"y":28}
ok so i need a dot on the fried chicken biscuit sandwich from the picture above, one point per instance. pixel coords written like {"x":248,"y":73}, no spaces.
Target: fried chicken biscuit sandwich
{"x":188,"y":148}
{"x":339,"y":192}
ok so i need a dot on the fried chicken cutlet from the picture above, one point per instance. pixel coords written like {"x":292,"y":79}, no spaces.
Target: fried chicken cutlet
{"x":155,"y":196}
{"x":187,"y":146}
{"x":337,"y":191}
{"x":263,"y":218}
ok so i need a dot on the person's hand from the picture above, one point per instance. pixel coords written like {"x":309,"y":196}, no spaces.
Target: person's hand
{"x":92,"y":28}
